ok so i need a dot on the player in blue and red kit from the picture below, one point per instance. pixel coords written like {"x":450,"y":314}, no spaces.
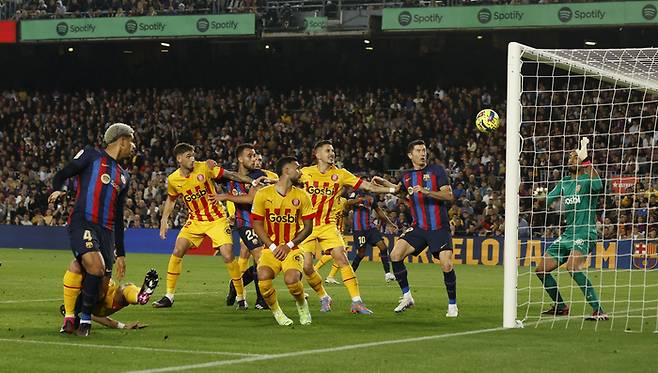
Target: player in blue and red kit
{"x":365,"y":231}
{"x":428,"y":193}
{"x":96,"y":221}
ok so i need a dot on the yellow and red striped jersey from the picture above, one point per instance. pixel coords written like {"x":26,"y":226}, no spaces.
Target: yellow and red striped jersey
{"x":195,"y":190}
{"x":324,"y":188}
{"x":283,"y":215}
{"x":340,"y":213}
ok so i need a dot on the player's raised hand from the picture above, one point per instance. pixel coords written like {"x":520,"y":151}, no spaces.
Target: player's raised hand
{"x":263,"y":180}
{"x":54,"y":196}
{"x":378,"y":180}
{"x":540,"y":193}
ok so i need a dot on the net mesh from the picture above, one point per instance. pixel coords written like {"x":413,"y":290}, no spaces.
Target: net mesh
{"x":611,"y":98}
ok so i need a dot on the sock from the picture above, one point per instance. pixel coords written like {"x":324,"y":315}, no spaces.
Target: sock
{"x":386,"y":262}
{"x":72,"y":287}
{"x":269,"y":294}
{"x":315,"y":281}
{"x":351,"y":283}
{"x":324,"y":259}
{"x":259,"y":296}
{"x":551,"y":288}
{"x":450,"y":279}
{"x":248,"y":275}
{"x":334,"y":269}
{"x":90,"y":289}
{"x":173,"y":271}
{"x":236,"y":276}
{"x":243,"y":263}
{"x":130,"y":293}
{"x":356,"y":261}
{"x":297,"y":291}
{"x":587,"y":289}
{"x":400,"y":272}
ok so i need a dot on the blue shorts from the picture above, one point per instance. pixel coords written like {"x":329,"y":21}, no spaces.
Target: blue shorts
{"x":419,"y":239}
{"x":249,"y":238}
{"x":88,"y":237}
{"x":366,"y":237}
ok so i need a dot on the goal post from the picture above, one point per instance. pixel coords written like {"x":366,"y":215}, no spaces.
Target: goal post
{"x":555,"y":99}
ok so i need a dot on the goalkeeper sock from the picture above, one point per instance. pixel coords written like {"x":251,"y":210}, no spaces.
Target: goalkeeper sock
{"x":450,"y":279}
{"x":173,"y":272}
{"x":551,"y":288}
{"x":243,"y":263}
{"x":315,"y":281}
{"x":587,"y":289}
{"x":400,"y":272}
{"x":324,"y":259}
{"x":72,"y":287}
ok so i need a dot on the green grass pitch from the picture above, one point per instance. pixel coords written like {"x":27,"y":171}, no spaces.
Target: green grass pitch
{"x":202,"y":334}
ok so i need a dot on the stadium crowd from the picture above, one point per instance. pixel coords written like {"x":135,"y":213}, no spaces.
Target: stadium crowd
{"x":41,"y":131}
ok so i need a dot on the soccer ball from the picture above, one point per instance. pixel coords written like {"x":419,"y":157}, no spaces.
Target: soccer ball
{"x":487,"y":121}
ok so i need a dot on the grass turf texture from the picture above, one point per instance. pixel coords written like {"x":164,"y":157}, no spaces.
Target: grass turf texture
{"x":201,"y":329}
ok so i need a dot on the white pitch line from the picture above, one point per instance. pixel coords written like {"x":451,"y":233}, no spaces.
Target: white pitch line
{"x":212,"y":364}
{"x":173,"y":350}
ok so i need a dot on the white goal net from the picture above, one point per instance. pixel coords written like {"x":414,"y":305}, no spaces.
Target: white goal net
{"x":557,"y":98}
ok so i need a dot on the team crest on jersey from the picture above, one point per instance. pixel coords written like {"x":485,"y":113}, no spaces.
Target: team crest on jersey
{"x":295,"y":202}
{"x":105,"y":178}
{"x":234,"y":192}
{"x":200,"y":177}
{"x":578,"y":188}
{"x":426,"y":177}
{"x":334,"y":177}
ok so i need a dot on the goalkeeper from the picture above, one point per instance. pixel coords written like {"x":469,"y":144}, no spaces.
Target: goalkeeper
{"x":578,"y":191}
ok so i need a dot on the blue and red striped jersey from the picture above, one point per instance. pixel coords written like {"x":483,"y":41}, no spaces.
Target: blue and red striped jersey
{"x":243,"y":216}
{"x":362,"y":211}
{"x":427,"y":213}
{"x":101,"y":185}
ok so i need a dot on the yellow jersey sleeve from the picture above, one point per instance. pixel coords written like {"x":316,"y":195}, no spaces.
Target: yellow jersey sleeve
{"x":171,"y":190}
{"x":307,"y":206}
{"x":213,"y":170}
{"x":258,"y":206}
{"x":348,"y":178}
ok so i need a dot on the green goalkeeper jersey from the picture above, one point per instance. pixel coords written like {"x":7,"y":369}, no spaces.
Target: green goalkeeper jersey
{"x":580,"y":203}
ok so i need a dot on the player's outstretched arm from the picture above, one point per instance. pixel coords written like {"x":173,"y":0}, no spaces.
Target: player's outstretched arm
{"x":384,"y":217}
{"x":443,"y":194}
{"x":77,"y":164}
{"x":242,"y":199}
{"x":114,"y":324}
{"x":379,"y":188}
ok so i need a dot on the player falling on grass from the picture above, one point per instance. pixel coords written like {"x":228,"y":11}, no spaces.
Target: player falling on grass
{"x":323,"y":182}
{"x":242,"y":195}
{"x":578,"y":192}
{"x":115,"y":297}
{"x":96,"y":221}
{"x":283,"y":218}
{"x":428,"y":193}
{"x":194,"y":182}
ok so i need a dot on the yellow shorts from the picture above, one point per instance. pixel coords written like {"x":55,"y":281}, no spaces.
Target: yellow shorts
{"x":294,"y":260}
{"x":219,"y":232}
{"x":327,"y":236}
